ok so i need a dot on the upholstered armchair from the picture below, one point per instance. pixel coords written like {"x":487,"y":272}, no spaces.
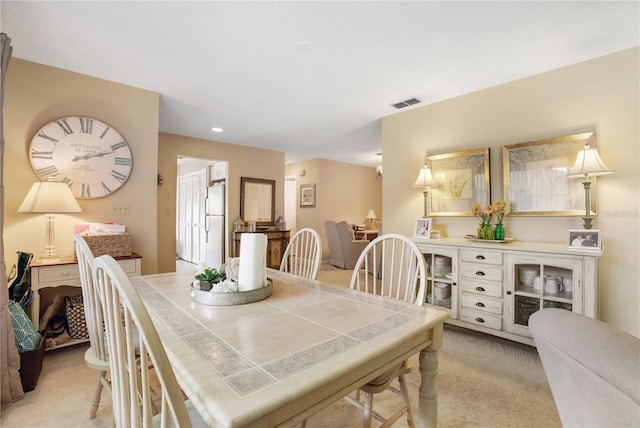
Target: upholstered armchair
{"x":343,"y":248}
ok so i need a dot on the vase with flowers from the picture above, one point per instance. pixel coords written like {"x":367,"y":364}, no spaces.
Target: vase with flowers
{"x":499,"y":209}
{"x":485,"y":230}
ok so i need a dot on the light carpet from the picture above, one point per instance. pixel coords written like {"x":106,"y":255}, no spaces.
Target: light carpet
{"x":482,"y":381}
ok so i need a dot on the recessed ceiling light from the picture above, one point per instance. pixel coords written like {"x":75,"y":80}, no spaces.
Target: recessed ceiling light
{"x":214,"y":129}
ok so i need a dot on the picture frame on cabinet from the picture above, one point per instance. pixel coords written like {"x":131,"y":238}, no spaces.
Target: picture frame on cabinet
{"x":585,"y":239}
{"x":422,"y":228}
{"x":307,"y":195}
{"x":460,"y":180}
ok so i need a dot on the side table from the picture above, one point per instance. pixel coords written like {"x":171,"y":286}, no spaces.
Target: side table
{"x":66,"y":272}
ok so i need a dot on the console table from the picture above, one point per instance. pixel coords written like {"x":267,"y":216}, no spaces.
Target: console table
{"x":277,"y":241}
{"x":66,"y":273}
{"x":365,"y":235}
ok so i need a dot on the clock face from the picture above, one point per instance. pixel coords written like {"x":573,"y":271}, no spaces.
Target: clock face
{"x":87,"y":154}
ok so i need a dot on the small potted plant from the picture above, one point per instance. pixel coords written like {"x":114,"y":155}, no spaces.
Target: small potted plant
{"x":209,"y":277}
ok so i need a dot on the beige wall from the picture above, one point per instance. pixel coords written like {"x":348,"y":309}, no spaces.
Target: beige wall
{"x":343,"y":192}
{"x":242,"y":161}
{"x":36,"y":94}
{"x":600,"y":95}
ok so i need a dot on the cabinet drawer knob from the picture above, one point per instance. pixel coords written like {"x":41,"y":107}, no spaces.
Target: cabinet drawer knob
{"x":480,"y":273}
{"x":479,"y":319}
{"x":480,"y":257}
{"x":480,"y":289}
{"x":480,"y":304}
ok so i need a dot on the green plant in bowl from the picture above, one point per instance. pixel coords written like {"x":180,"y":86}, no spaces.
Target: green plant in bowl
{"x":208,"y":277}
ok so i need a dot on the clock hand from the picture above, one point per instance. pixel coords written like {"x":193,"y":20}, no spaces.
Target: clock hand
{"x":90,"y":155}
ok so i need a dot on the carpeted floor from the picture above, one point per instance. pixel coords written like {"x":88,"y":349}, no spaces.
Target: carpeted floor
{"x":483,"y":381}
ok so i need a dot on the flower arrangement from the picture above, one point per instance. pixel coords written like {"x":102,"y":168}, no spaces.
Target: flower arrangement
{"x":484,"y":215}
{"x":485,"y":231}
{"x":499,"y":208}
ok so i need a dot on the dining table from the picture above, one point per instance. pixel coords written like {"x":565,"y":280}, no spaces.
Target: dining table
{"x":280,"y":360}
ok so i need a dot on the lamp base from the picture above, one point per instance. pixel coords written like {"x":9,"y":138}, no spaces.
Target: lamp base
{"x":587,"y":222}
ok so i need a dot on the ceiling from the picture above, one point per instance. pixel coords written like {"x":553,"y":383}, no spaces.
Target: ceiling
{"x":311,"y":79}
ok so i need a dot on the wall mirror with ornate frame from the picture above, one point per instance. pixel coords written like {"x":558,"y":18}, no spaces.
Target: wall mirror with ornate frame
{"x":535,"y":177}
{"x":258,"y":201}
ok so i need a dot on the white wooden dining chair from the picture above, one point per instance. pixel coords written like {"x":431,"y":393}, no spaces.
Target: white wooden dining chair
{"x":391,"y":266}
{"x":96,"y":357}
{"x":303,"y":254}
{"x":130,"y":362}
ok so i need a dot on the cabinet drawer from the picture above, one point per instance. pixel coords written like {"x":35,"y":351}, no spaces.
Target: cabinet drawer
{"x":484,"y":288}
{"x":69,"y":274}
{"x":481,"y":256}
{"x":129,"y":267}
{"x":482,"y":303}
{"x":481,"y":318}
{"x":480,"y":271}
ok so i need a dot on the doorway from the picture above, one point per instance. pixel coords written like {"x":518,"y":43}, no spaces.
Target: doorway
{"x":194,"y":177}
{"x":290,"y":203}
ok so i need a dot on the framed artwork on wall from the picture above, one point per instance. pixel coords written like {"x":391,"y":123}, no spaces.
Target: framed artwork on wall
{"x":535,"y":177}
{"x":460,"y":179}
{"x":307,"y":195}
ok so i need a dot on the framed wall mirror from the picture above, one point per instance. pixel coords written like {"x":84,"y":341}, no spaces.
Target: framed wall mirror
{"x":258,"y":201}
{"x":535,"y":177}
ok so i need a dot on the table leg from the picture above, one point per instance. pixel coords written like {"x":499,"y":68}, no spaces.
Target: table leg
{"x":428,"y":395}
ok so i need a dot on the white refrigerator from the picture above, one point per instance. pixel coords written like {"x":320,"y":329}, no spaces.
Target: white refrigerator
{"x":214,"y":224}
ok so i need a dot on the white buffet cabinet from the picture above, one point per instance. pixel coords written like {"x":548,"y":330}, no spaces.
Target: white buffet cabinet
{"x":494,"y":287}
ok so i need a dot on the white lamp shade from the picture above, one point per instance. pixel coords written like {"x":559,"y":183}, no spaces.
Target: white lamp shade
{"x":371,"y":215}
{"x":588,"y":163}
{"x":49,"y":197}
{"x":424,"y":178}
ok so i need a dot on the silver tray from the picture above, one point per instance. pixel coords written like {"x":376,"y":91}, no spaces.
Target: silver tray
{"x":492,"y":241}
{"x":231,"y":299}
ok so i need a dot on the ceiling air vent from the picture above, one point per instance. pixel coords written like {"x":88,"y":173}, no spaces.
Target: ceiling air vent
{"x":406,"y":103}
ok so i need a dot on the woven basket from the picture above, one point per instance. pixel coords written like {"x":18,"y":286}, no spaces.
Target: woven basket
{"x":117,"y":245}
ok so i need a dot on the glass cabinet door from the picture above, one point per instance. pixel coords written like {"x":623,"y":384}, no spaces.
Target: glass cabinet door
{"x":442,"y":278}
{"x":534,"y":283}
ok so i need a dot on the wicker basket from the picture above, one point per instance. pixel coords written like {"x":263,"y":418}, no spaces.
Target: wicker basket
{"x":116,"y":245}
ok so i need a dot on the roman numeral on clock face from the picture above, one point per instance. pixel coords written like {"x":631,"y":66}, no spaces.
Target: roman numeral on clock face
{"x":123,"y":161}
{"x":119,"y":145}
{"x":118,"y":176}
{"x":47,"y":171}
{"x":105,"y":188}
{"x":41,"y":134}
{"x":62,"y":123}
{"x":86,"y":125}
{"x":36,"y":154}
{"x":86,"y":191}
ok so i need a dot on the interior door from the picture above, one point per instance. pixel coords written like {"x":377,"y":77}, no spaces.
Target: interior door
{"x":190,"y":233}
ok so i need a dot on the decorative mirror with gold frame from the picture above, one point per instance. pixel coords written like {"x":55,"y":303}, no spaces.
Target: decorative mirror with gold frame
{"x":535,"y":177}
{"x":258,"y":201}
{"x":461,"y":179}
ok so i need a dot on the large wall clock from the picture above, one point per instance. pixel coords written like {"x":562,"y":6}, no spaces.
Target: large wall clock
{"x":87,"y":154}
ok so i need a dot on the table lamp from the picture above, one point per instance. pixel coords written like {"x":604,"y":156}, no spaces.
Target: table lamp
{"x":425,"y":180}
{"x":588,"y":164}
{"x":50,"y":198}
{"x":371,"y":216}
